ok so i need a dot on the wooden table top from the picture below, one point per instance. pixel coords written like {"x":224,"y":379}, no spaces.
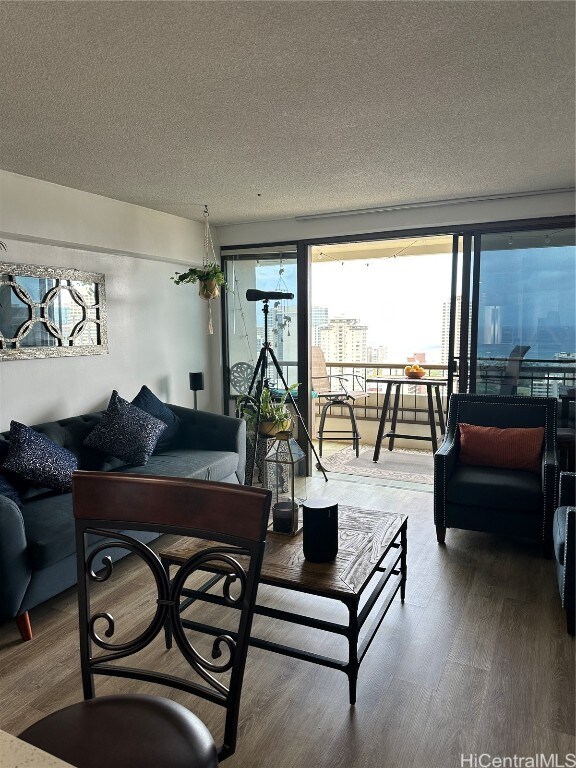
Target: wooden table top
{"x":364,"y":537}
{"x":407,"y":380}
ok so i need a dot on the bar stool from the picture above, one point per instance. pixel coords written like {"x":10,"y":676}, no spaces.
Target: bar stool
{"x":341,"y":398}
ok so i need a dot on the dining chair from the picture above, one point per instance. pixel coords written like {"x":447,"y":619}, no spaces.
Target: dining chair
{"x":141,"y":729}
{"x":339,"y":396}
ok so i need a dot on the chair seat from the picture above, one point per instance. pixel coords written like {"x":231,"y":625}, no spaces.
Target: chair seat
{"x":128,"y":731}
{"x":344,"y":395}
{"x":489,"y":487}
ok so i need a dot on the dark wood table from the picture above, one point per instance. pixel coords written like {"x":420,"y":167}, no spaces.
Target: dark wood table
{"x":397,"y":382}
{"x":371,"y":556}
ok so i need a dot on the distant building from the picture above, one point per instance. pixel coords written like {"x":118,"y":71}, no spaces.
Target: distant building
{"x":343,"y":340}
{"x":417,"y":357}
{"x":319,"y":317}
{"x":446,"y":328}
{"x":376,"y":354}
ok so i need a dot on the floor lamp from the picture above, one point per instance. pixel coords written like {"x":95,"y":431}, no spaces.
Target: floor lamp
{"x":196,"y":383}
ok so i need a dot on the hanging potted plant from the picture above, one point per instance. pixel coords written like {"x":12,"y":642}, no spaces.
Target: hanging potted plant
{"x":210,"y":277}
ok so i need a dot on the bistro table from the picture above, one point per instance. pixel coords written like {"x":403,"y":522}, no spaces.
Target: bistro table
{"x":397,"y":382}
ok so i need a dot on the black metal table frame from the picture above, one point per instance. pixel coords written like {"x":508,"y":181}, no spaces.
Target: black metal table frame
{"x":356,"y":620}
{"x":397,"y":383}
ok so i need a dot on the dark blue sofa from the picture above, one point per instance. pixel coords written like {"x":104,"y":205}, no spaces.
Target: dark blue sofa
{"x":37,"y":543}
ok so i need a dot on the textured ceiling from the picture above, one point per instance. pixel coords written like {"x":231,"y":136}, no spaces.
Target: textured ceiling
{"x":276,"y":109}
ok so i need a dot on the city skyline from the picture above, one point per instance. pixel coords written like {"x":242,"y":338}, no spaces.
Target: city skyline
{"x":400,"y":301}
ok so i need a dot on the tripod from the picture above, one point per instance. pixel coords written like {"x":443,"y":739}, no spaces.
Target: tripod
{"x":260,"y":382}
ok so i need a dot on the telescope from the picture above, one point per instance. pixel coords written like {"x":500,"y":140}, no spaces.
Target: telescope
{"x":252,"y":294}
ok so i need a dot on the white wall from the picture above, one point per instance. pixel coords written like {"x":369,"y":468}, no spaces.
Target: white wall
{"x":156,"y":330}
{"x":533,"y":206}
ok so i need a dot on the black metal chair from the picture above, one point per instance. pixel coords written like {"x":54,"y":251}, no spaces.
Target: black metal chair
{"x":491,"y":498}
{"x":140,"y":730}
{"x":341,"y":397}
{"x":509,"y":383}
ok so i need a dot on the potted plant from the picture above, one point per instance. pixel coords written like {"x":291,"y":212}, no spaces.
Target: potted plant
{"x":209,"y":275}
{"x":275,"y":416}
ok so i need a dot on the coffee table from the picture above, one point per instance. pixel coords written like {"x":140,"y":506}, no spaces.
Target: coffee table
{"x":371,"y":557}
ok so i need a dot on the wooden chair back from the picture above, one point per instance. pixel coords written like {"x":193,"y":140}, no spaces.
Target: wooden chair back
{"x":232,"y":520}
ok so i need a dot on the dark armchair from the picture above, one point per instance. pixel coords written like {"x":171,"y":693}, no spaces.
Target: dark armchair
{"x":498,"y":498}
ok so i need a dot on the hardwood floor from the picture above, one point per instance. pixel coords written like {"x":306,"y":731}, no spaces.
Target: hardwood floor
{"x":477,"y":660}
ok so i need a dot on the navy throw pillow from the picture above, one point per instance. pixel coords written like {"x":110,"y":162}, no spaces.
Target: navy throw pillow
{"x":8,"y":489}
{"x":38,"y":459}
{"x":126,"y":432}
{"x":148,"y":402}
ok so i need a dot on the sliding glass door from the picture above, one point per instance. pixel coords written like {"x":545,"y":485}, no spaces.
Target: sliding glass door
{"x":263,"y":270}
{"x":523,"y":311}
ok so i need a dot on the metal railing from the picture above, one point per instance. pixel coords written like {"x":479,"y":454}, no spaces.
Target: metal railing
{"x":413,"y":404}
{"x":539,"y":378}
{"x":536,"y":378}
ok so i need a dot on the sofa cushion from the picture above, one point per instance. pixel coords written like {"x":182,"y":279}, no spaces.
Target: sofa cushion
{"x":200,"y":465}
{"x":49,"y":527}
{"x":38,"y":459}
{"x":147,"y":401}
{"x":50,"y":532}
{"x":8,"y":489}
{"x":512,"y":448}
{"x":126,"y":432}
{"x":489,"y":487}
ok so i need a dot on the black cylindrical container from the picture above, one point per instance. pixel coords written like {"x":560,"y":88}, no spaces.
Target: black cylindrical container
{"x":320,"y":530}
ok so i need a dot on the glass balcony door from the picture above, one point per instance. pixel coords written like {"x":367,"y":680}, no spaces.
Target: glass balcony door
{"x":263,"y":270}
{"x":523,"y":320}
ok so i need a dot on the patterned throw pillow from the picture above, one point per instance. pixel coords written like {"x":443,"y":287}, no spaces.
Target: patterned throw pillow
{"x":511,"y":448}
{"x":147,"y":401}
{"x":38,"y":459}
{"x":126,"y":432}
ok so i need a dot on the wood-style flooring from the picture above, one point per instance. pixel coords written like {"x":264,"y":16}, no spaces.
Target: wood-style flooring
{"x":476,"y":661}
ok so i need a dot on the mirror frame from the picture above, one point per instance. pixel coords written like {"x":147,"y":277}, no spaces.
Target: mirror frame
{"x":37,"y":312}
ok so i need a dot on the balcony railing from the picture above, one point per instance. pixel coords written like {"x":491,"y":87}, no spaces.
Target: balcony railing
{"x":537,"y":377}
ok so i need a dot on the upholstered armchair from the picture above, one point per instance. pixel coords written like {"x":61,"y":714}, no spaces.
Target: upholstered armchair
{"x":564,"y":534}
{"x":502,"y":479}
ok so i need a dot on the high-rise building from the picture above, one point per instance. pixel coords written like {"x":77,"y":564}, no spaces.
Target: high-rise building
{"x":376,"y":354}
{"x":319,"y":317}
{"x":343,"y":340}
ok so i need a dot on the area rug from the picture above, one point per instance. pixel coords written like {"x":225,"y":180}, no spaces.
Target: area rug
{"x":402,"y":465}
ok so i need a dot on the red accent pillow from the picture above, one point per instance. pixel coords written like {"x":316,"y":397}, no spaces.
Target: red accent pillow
{"x":512,"y":448}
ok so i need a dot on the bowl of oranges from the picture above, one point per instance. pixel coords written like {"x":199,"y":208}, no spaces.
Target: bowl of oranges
{"x":414,"y":371}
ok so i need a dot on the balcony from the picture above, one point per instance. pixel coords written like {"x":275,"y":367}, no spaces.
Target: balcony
{"x":539,"y":378}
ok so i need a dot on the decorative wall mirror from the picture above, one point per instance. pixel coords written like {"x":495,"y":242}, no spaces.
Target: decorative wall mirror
{"x":51,"y":312}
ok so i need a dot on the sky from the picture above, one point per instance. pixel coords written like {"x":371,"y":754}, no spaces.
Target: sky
{"x":399,"y":299}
